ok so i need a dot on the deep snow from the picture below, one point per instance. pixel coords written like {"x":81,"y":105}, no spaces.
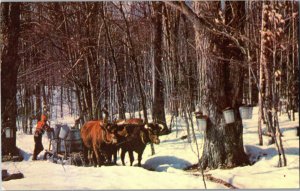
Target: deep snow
{"x":172,"y":155}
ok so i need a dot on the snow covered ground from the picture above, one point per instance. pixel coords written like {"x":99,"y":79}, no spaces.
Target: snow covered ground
{"x":172,"y":155}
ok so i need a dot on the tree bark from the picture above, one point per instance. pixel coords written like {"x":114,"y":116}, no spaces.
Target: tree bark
{"x":223,"y":92}
{"x":298,"y":96}
{"x":9,"y":68}
{"x":61,"y":101}
{"x":158,"y":107}
{"x":261,"y":81}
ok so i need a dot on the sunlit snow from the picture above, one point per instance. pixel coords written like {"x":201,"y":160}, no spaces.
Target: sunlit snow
{"x":164,"y":170}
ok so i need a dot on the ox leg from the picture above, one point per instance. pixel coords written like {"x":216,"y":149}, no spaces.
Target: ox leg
{"x":140,"y":158}
{"x":85,"y":155}
{"x":94,"y":161}
{"x":123,"y":152}
{"x":115,"y":157}
{"x":102,"y":158}
{"x":109,"y":158}
{"x":97,"y":156}
{"x":131,"y":157}
{"x":90,"y":155}
{"x":112,"y":158}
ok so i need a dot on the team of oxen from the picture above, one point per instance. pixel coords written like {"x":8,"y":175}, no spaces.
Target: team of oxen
{"x":104,"y":139}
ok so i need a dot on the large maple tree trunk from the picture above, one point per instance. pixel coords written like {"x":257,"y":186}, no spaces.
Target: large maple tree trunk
{"x":223,"y":146}
{"x":9,"y":68}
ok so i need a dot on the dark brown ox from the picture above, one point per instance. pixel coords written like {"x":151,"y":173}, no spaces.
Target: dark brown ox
{"x":96,"y":136}
{"x":119,"y":125}
{"x":138,"y":136}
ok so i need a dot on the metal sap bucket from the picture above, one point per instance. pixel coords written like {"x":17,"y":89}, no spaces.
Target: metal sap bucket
{"x":64,"y":131}
{"x":246,"y":112}
{"x":73,"y":141}
{"x":54,"y":135}
{"x":54,"y":145}
{"x":50,"y":135}
{"x":229,"y":116}
{"x":250,"y":111}
{"x":57,"y":130}
{"x":61,"y":146}
{"x":9,"y":132}
{"x":202,"y":124}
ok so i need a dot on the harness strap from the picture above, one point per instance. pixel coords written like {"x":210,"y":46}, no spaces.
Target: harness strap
{"x":123,"y":142}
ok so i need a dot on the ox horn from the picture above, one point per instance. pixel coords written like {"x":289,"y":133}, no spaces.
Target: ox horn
{"x":146,"y":126}
{"x":161,"y":126}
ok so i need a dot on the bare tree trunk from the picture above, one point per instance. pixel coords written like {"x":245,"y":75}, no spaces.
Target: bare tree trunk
{"x":261,"y":84}
{"x":223,"y":92}
{"x":28,"y":111}
{"x":86,"y":104}
{"x":136,"y":67}
{"x":38,"y":110}
{"x":81,"y":120}
{"x":45,"y":99}
{"x":10,"y":22}
{"x":187,"y":126}
{"x":61,"y":101}
{"x":270,"y":94}
{"x":298,"y":96}
{"x":92,"y":89}
{"x":120,"y":92}
{"x":158,"y":87}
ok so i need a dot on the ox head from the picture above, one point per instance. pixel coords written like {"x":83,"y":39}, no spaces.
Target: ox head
{"x":112,"y":133}
{"x":153,"y":131}
{"x":118,"y":132}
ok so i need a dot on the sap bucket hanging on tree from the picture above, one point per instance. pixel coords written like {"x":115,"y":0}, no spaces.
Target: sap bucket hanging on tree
{"x":202,"y":120}
{"x":228,"y":114}
{"x":9,"y":133}
{"x":246,"y":112}
{"x":250,"y":111}
{"x":202,"y":123}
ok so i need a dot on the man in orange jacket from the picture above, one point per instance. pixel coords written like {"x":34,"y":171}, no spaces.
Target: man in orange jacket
{"x":41,"y":127}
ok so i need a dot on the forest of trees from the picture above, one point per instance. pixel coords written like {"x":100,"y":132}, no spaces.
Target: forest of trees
{"x":155,"y":58}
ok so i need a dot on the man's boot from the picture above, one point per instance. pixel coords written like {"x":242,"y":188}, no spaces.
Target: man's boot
{"x":34,"y":157}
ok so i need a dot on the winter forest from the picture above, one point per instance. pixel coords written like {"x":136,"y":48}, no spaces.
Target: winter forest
{"x":150,"y":95}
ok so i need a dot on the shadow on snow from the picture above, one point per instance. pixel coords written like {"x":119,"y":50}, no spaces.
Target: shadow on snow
{"x":162,"y":163}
